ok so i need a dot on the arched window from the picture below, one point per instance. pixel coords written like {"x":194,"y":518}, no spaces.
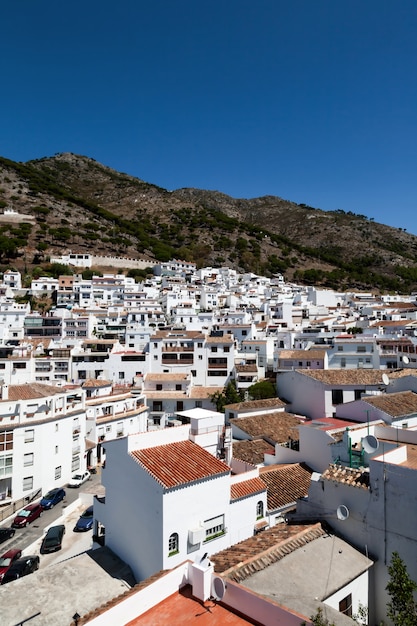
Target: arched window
{"x":259,"y":509}
{"x":173,"y":544}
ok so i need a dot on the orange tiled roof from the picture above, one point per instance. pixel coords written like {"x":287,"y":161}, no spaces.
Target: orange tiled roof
{"x":276,"y":427}
{"x":347,"y":475}
{"x":346,"y":377}
{"x":175,"y":464}
{"x":30,"y":391}
{"x":246,"y":488}
{"x":398,"y":404}
{"x":285,"y":483}
{"x":259,"y":551}
{"x":252,"y":451}
{"x":268,"y":403}
{"x":166,"y":377}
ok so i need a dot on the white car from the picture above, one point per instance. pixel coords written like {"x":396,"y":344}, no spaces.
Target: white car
{"x":79,"y":478}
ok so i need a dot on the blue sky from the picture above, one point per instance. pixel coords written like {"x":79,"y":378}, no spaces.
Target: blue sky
{"x":314,"y":102}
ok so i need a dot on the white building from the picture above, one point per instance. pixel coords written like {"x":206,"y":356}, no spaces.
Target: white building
{"x":42,"y":438}
{"x":178,"y":498}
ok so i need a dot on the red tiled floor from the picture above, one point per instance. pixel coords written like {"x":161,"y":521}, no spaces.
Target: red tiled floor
{"x":182,"y":609}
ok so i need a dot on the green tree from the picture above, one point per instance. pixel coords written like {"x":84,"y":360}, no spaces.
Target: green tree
{"x":262,"y":390}
{"x":230,"y":395}
{"x":401,"y":609}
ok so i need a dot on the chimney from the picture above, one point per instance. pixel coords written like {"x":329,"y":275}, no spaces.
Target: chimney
{"x":201,"y":578}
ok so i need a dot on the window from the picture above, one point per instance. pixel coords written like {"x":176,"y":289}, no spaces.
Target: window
{"x":214,"y":348}
{"x":198,"y":404}
{"x":58,"y":471}
{"x":121,"y":375}
{"x":75,"y":463}
{"x":345,"y":605}
{"x":159,"y":387}
{"x":6,"y":466}
{"x":337,"y":396}
{"x":180,"y":405}
{"x":28,"y":459}
{"x":340,"y":348}
{"x":226,"y":349}
{"x":343,"y":362}
{"x":199,"y":344}
{"x":173,"y":544}
{"x":358,"y":393}
{"x":6,"y":440}
{"x":214,"y":527}
{"x":259,"y":509}
{"x":361,"y":349}
{"x":178,"y":387}
{"x":28,"y":483}
{"x":29,"y":435}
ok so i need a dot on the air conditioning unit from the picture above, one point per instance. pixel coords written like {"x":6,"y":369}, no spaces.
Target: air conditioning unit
{"x":196,"y":535}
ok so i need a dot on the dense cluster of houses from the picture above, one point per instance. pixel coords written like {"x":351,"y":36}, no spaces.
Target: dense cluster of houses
{"x":125,"y":372}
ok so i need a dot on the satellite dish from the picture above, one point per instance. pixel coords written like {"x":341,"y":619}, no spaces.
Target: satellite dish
{"x":385,"y":379}
{"x":406,"y":360}
{"x":370,"y":444}
{"x":218,"y":588}
{"x":342,"y":512}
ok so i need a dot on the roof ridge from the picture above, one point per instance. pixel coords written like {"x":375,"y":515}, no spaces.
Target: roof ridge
{"x":273,"y":554}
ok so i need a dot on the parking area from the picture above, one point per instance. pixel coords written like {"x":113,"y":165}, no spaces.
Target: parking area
{"x":73,"y":542}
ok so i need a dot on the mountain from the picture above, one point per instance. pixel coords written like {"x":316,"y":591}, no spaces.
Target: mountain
{"x":75,"y":203}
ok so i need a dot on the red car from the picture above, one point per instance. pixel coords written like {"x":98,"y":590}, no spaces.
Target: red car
{"x":27,"y":515}
{"x":7,"y":559}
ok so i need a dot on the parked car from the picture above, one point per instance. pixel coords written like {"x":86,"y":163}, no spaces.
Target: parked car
{"x":7,"y":560}
{"x":22,"y":567}
{"x":52,"y":498}
{"x":85,"y":521}
{"x":27,"y":515}
{"x":79,"y":478}
{"x":53,"y":539}
{"x":6,"y":533}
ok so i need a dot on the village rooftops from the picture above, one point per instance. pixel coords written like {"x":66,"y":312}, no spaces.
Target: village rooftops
{"x":166,"y":377}
{"x":346,"y":377}
{"x":396,"y":405}
{"x":252,"y":451}
{"x":276,"y":427}
{"x":285,"y":483}
{"x":312,"y":354}
{"x":269,"y":403}
{"x":176,"y":464}
{"x":347,"y":476}
{"x":259,"y":551}
{"x":246,"y":488}
{"x":29,"y":391}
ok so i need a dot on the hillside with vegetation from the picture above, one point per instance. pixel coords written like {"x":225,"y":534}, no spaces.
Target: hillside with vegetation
{"x":73,"y":203}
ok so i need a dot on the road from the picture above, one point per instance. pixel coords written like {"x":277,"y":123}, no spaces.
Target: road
{"x":33,"y":533}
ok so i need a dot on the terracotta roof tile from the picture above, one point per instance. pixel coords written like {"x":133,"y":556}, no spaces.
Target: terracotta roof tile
{"x":204,"y":392}
{"x":30,"y":391}
{"x":285,"y":483}
{"x":246,"y":488}
{"x":347,"y":475}
{"x":269,"y":403}
{"x":252,"y":451}
{"x":166,"y":377}
{"x":275,"y":427}
{"x":254,"y":554}
{"x":175,"y":464}
{"x":346,"y":377}
{"x":398,"y":404}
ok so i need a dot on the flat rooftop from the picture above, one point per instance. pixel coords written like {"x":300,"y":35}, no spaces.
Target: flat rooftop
{"x":182,"y":608}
